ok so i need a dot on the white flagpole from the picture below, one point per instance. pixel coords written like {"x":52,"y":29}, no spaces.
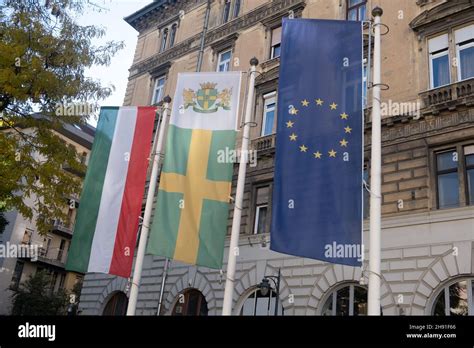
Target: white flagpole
{"x":375,"y":179}
{"x":137,"y":272}
{"x":234,"y":237}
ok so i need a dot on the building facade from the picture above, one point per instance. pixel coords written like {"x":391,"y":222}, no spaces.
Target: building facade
{"x":43,"y":252}
{"x":427,"y":146}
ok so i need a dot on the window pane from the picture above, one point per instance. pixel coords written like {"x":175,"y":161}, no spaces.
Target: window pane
{"x":470,"y":185}
{"x":236,"y":8}
{"x":342,"y":301}
{"x":467,"y":62}
{"x":352,"y":15}
{"x":355,"y":2}
{"x":446,"y":160}
{"x":226,"y":11}
{"x":440,"y":305}
{"x":448,"y":192}
{"x":262,"y":218}
{"x":225,"y":56}
{"x":276,"y":51}
{"x":269,"y":119}
{"x":440,"y":70}
{"x":327,"y":309}
{"x":361,"y":13}
{"x":470,"y":160}
{"x":458,"y":304}
{"x":249,"y":305}
{"x":360,"y":301}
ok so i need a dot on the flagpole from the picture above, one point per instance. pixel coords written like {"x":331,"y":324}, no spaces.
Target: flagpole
{"x":234,"y":237}
{"x":375,"y":176}
{"x":137,"y":272}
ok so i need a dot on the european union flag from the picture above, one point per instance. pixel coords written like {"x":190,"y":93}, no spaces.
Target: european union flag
{"x":317,"y":197}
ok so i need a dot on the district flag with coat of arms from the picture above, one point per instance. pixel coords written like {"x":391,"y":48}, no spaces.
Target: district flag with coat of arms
{"x":190,"y":220}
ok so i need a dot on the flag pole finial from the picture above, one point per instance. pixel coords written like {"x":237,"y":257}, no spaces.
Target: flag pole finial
{"x":377,"y":11}
{"x":167,"y":99}
{"x":254,"y":61}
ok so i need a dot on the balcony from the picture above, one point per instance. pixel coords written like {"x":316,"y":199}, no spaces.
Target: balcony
{"x":62,"y":229}
{"x":449,"y":97}
{"x":52,"y":256}
{"x":264,"y":145}
{"x":77,"y":172}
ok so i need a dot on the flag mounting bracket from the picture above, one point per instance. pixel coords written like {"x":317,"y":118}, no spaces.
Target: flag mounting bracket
{"x":387,"y":28}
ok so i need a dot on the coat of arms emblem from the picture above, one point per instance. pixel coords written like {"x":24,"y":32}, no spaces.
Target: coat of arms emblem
{"x":207,"y":99}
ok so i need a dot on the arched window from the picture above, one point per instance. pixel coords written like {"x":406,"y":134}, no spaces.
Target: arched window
{"x":226,"y":11}
{"x":455,"y":299}
{"x":174,"y":27}
{"x":346,"y":300}
{"x":117,"y":304}
{"x":190,"y":302}
{"x":163,"y":40}
{"x":257,"y":304}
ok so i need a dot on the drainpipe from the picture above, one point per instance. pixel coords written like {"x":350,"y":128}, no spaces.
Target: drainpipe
{"x":203,"y":36}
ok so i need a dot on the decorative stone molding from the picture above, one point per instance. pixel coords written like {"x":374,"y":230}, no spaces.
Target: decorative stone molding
{"x":445,"y":267}
{"x":248,"y":281}
{"x":449,"y":97}
{"x":116,"y":284}
{"x":442,"y":17}
{"x":191,"y":280}
{"x":225,"y":43}
{"x":213,"y":35}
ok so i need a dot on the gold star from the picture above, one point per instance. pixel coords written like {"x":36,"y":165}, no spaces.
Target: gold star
{"x":305,"y":102}
{"x":317,"y":154}
{"x":289,"y":124}
{"x":333,"y":106}
{"x":332,"y":153}
{"x":294,"y":111}
{"x":344,"y":116}
{"x":344,"y":142}
{"x":348,"y":129}
{"x":293,"y":137}
{"x":303,"y":148}
{"x":319,"y":102}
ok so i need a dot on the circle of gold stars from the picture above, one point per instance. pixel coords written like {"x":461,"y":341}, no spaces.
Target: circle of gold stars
{"x":317,"y":154}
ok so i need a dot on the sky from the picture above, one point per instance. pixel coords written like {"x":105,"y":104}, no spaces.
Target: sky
{"x":117,"y":30}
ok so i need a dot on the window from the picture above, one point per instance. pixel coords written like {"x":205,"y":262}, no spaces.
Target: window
{"x":439,"y":61}
{"x":257,"y":304}
{"x":158,"y":90}
{"x":465,"y":52}
{"x":469,"y":158}
{"x":174,"y":28}
{"x":348,"y":300}
{"x":455,"y":299}
{"x":226,"y":11}
{"x":276,"y":43}
{"x":261,"y":209}
{"x":117,"y":304}
{"x":447,"y":179}
{"x":27,"y":237}
{"x":163,"y":39}
{"x":191,"y":302}
{"x":356,"y":10}
{"x":224,"y":61}
{"x":16,"y":278}
{"x":236,"y":8}
{"x":364,"y":83}
{"x":62,"y":279}
{"x":269,"y":109}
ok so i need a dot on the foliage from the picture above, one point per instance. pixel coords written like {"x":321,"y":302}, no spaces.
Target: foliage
{"x":35,"y":297}
{"x":44,"y":54}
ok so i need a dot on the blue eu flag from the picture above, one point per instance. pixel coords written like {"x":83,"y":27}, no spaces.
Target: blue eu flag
{"x":317,"y":197}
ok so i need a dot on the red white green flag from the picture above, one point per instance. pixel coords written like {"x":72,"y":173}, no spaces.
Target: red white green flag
{"x":107,"y":221}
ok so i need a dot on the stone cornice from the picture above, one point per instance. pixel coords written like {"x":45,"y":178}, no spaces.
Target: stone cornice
{"x":442,"y":16}
{"x":240,"y":23}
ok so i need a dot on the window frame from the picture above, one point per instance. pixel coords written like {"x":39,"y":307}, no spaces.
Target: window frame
{"x":445,"y":289}
{"x":459,"y":47}
{"x":154,"y":101}
{"x":362,"y":3}
{"x":172,"y":35}
{"x":226,"y":11}
{"x":462,"y":173}
{"x":257,"y":217}
{"x":272,"y":47}
{"x":332,"y":295}
{"x":268,"y":98}
{"x":220,"y":62}
{"x":434,"y":55}
{"x":164,"y":39}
